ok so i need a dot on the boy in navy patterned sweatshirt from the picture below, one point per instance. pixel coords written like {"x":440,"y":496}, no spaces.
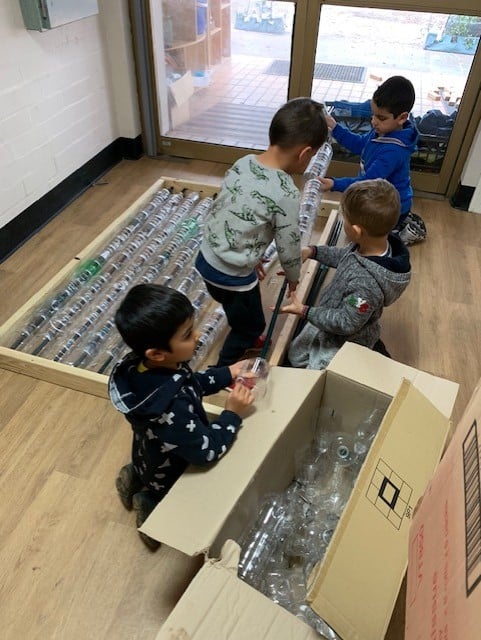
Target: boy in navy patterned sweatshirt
{"x":161,"y":397}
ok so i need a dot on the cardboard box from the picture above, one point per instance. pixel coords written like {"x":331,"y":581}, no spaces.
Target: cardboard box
{"x":182,"y":89}
{"x":356,"y":586}
{"x":179,"y":114}
{"x":444,"y":577}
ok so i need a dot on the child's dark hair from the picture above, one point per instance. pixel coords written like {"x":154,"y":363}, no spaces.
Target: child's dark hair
{"x":396,"y":94}
{"x":149,"y":315}
{"x":299,"y":121}
{"x":374,"y":205}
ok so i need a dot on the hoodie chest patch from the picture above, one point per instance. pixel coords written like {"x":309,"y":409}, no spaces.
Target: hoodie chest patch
{"x":358,"y":303}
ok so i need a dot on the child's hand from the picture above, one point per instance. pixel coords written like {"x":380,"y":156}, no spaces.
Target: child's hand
{"x":306,"y":253}
{"x":259,"y":268}
{"x":326,"y":183}
{"x":240,"y":367}
{"x":295,"y":306}
{"x":291,"y":287}
{"x":331,"y":123}
{"x":239,"y":400}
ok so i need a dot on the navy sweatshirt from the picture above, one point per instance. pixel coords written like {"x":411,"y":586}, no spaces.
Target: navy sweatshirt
{"x":170,"y":426}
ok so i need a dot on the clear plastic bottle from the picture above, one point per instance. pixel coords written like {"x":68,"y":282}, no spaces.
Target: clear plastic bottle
{"x":320,"y":162}
{"x":262,"y":540}
{"x":311,"y":195}
{"x":270,"y":255}
{"x":82,"y":357}
{"x":366,"y":432}
{"x":255,"y":375}
{"x":209,"y":331}
{"x":344,"y":459}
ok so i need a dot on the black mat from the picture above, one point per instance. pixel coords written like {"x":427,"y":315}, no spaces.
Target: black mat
{"x":339,"y":72}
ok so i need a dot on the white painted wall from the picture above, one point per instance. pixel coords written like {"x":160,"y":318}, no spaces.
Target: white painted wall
{"x":471,"y":176}
{"x":65,"y":94}
{"x":115,"y":25}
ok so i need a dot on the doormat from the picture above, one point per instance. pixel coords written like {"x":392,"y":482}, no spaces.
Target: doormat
{"x":248,"y":125}
{"x":322,"y":71}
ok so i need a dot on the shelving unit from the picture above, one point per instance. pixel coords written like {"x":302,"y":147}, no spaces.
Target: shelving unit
{"x":200,"y":33}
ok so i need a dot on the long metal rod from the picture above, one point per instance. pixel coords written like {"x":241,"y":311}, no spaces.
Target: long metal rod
{"x":272,"y":323}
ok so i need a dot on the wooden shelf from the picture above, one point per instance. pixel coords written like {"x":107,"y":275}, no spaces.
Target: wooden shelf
{"x":201,"y":34}
{"x":184,"y":45}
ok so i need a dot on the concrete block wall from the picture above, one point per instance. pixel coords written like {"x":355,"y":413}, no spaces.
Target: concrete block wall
{"x":57,"y":104}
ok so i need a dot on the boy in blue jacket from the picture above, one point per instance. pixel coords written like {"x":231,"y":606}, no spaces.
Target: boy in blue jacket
{"x":161,"y":397}
{"x":385,"y":150}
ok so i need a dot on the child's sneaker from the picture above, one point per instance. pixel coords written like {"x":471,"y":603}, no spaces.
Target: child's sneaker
{"x":413,"y":229}
{"x":410,"y":234}
{"x":380,"y":347}
{"x":127,"y":483}
{"x":143,"y":506}
{"x":256,"y":349}
{"x":260,"y":342}
{"x":416,"y":220}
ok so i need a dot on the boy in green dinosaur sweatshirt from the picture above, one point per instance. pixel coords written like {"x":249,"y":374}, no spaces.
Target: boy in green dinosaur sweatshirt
{"x":258,"y":202}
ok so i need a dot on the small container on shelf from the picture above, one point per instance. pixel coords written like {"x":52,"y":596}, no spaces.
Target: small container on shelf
{"x":201,"y":78}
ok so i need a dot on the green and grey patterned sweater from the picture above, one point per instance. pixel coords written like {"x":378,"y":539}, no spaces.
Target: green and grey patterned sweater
{"x":255,"y":205}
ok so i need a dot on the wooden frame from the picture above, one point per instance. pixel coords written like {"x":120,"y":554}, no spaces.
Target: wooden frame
{"x":95,"y":383}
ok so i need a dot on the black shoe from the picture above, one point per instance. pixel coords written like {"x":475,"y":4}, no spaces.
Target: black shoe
{"x":143,"y":505}
{"x":380,"y":347}
{"x":127,"y":483}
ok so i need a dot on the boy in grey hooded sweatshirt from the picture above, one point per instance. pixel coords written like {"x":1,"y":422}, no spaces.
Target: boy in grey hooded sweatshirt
{"x":371,"y":273}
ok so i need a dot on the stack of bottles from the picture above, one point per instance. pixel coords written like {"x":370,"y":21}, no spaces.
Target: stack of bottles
{"x":311,"y":195}
{"x":293,"y":529}
{"x":76,"y":325}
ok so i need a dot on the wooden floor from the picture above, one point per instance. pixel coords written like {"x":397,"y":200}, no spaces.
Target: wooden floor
{"x":72,"y":565}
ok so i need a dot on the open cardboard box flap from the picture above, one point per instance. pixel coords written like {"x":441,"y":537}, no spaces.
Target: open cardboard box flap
{"x":217,"y":605}
{"x":357,"y":584}
{"x":444,"y":575}
{"x":373,"y":370}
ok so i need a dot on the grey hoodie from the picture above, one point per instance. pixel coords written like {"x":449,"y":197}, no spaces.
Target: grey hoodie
{"x":351,"y":305}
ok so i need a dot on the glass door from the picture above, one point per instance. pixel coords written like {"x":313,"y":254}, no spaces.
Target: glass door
{"x":359,"y":47}
{"x":226,"y":68}
{"x":222,"y":68}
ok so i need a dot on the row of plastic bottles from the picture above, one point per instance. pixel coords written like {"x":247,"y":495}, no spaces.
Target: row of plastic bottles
{"x":292,"y":532}
{"x":172,"y":272}
{"x":79,"y":320}
{"x":88,"y":270}
{"x":91,"y":293}
{"x":311,"y":195}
